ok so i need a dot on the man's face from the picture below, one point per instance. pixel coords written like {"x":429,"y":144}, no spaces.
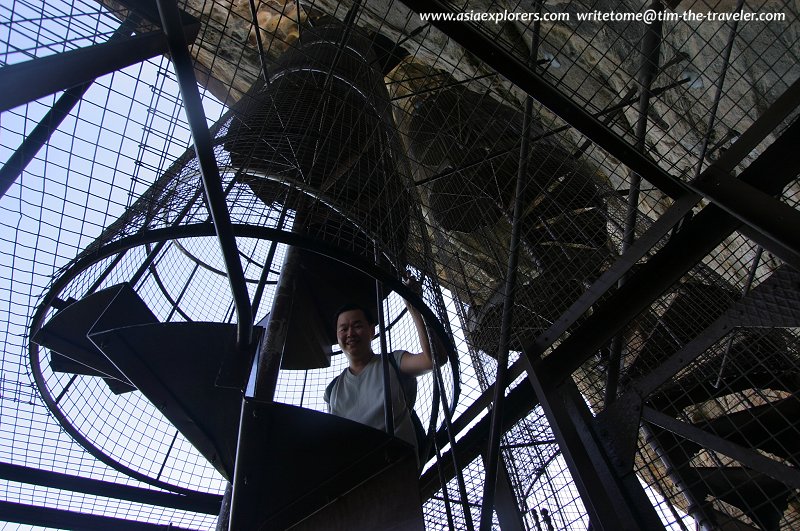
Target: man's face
{"x":354,"y":334}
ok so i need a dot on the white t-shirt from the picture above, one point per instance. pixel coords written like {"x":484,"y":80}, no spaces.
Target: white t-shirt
{"x":359,"y":397}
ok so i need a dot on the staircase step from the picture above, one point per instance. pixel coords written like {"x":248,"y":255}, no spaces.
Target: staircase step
{"x":66,"y":333}
{"x":726,"y":522}
{"x":775,"y":369}
{"x":693,"y":309}
{"x":761,"y":498}
{"x":175,"y":365}
{"x":770,"y":427}
{"x":312,"y":470}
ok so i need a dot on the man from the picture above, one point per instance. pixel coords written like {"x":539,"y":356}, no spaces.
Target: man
{"x":357,"y":393}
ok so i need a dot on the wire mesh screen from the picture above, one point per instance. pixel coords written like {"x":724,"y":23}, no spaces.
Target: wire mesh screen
{"x":380,"y":137}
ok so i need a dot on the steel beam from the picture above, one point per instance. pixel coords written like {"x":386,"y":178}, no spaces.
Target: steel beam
{"x":212,"y":184}
{"x":769,"y":120}
{"x":53,"y":73}
{"x":199,"y":502}
{"x":746,"y":456}
{"x":774,"y":220}
{"x":31,"y":145}
{"x":773,"y":170}
{"x":614,"y":501}
{"x":501,"y":379}
{"x":76,"y":63}
{"x":57,"y":518}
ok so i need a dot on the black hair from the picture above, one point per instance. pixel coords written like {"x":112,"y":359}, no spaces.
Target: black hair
{"x":354,"y":306}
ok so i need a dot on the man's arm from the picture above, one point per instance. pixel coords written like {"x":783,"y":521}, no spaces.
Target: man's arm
{"x":416,"y":364}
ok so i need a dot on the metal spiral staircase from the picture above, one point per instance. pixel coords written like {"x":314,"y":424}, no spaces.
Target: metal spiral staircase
{"x":289,"y":466}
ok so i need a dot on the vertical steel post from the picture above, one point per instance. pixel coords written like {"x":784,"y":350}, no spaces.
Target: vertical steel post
{"x":448,"y":422}
{"x":496,"y":428}
{"x":261,"y":56}
{"x":184,"y":70}
{"x":726,"y":54}
{"x":388,"y":413}
{"x":271,"y":351}
{"x":273,"y":246}
{"x":648,"y":70}
{"x":448,"y":411}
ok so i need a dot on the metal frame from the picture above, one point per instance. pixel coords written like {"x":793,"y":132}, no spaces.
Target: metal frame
{"x":198,"y":502}
{"x":49,"y":517}
{"x":596,"y":461}
{"x":74,"y":72}
{"x":212,"y":184}
{"x":611,"y":494}
{"x":773,"y":170}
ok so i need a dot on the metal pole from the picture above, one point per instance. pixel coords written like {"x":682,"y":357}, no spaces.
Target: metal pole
{"x":271,"y":352}
{"x":726,"y":54}
{"x":349,"y":23}
{"x":184,"y":70}
{"x":443,"y":483}
{"x":388,"y":414}
{"x":495,"y":431}
{"x":47,"y":75}
{"x":273,"y":246}
{"x":17,"y":163}
{"x":261,"y":55}
{"x":651,"y":48}
{"x":462,"y":487}
{"x":439,"y":389}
